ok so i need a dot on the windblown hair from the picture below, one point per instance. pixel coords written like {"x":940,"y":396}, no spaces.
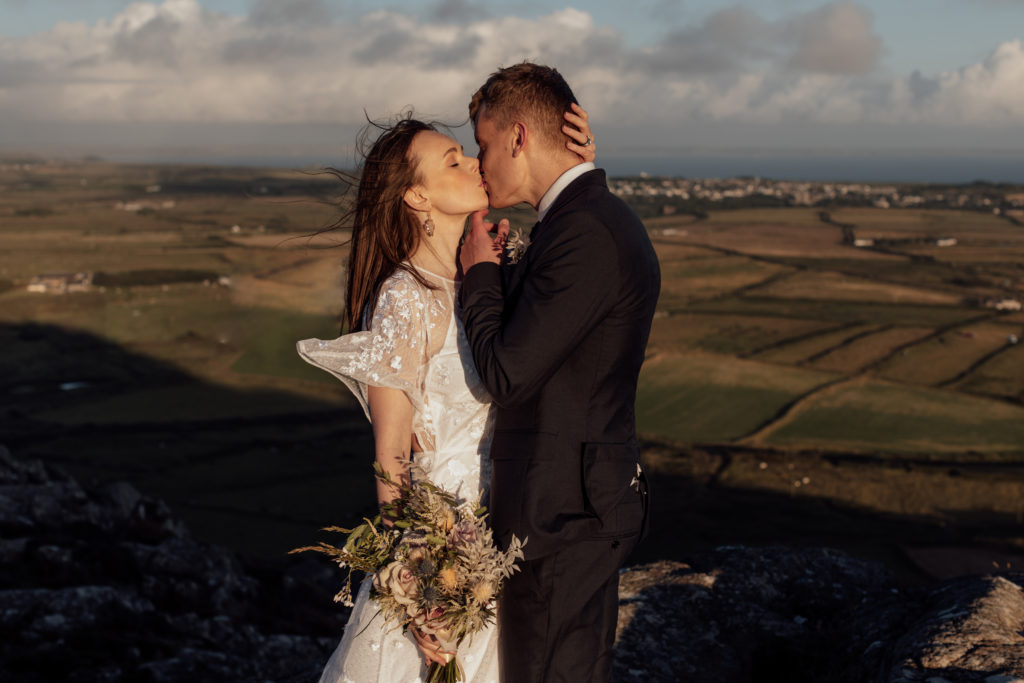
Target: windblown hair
{"x":385,"y":232}
{"x":531,"y":92}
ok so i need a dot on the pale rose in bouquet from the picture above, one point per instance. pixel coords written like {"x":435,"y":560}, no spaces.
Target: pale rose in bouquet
{"x":435,"y":568}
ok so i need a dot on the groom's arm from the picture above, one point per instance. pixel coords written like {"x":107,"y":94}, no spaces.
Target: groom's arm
{"x":571,"y":286}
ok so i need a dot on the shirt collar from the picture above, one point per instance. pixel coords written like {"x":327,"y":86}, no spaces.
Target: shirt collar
{"x":563,"y":182}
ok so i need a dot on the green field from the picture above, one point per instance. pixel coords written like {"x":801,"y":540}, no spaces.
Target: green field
{"x":880,"y":416}
{"x":772,"y":333}
{"x":713,"y":398}
{"x":885,"y":314}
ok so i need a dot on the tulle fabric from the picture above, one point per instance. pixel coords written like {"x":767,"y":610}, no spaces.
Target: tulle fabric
{"x":415,"y":343}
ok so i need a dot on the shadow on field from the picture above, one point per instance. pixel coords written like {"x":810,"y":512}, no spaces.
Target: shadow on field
{"x":259,"y":471}
{"x":694,"y":512}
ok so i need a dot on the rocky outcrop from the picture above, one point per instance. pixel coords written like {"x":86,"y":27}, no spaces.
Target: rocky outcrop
{"x":105,"y":584}
{"x":972,"y":629}
{"x":743,"y":614}
{"x":756,"y":614}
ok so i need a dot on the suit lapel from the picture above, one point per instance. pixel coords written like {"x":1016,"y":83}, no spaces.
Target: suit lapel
{"x":540,"y":229}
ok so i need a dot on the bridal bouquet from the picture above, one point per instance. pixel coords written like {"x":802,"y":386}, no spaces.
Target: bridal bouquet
{"x":437,"y":568}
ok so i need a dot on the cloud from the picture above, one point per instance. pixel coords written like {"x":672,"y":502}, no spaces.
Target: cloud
{"x":985,"y":93}
{"x":298,"y":62}
{"x":725,"y":42}
{"x":290,"y":13}
{"x":836,"y":38}
{"x":461,"y":11}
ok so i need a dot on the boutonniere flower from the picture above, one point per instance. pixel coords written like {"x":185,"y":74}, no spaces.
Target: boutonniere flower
{"x":516,"y":245}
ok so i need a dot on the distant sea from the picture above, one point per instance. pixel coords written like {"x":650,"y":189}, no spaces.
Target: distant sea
{"x":823,"y":167}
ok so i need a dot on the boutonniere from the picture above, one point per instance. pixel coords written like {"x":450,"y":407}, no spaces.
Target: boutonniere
{"x":516,"y":245}
{"x":635,"y":484}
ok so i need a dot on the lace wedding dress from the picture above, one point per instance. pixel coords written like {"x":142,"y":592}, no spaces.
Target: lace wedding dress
{"x":414,"y":342}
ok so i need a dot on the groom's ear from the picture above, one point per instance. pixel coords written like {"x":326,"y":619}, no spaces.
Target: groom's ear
{"x":416,"y":199}
{"x":520,"y":135}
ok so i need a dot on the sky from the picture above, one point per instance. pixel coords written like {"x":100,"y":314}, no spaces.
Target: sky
{"x":296,"y":78}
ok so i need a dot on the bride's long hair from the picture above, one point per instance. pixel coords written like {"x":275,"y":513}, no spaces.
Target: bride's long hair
{"x":385,"y":232}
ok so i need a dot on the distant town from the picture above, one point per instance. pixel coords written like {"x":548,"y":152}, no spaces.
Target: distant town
{"x":657,"y":195}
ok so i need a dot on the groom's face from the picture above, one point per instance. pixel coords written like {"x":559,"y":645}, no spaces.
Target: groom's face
{"x":502,"y":162}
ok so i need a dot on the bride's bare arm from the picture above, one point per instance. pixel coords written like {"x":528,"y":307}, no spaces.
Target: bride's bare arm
{"x":391,"y":412}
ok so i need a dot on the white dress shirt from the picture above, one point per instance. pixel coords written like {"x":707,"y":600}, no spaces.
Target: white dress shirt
{"x":563,"y":182}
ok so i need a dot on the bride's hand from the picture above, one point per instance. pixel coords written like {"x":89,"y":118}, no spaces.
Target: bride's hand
{"x":579,"y":131}
{"x":484,"y":242}
{"x":430,"y":647}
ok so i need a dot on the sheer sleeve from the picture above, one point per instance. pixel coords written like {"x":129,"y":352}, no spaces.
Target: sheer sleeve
{"x":391,"y":352}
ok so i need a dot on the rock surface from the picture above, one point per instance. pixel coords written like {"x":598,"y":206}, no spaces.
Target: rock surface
{"x":107,"y":585}
{"x":971,"y":630}
{"x":782,"y":614}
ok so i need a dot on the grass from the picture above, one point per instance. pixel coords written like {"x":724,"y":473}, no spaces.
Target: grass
{"x":872,"y":222}
{"x":844,"y":287}
{"x":710,"y":398}
{"x":835,"y":311}
{"x":788,"y":216}
{"x":724,"y":334}
{"x":943,"y":358}
{"x":880,"y":416}
{"x":177,"y":403}
{"x":800,"y":349}
{"x":199,"y":397}
{"x":1003,"y":376}
{"x":701,"y":278}
{"x":852,"y":357}
{"x":271,"y":351}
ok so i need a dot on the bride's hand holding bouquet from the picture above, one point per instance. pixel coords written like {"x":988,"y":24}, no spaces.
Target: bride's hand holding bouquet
{"x":436,"y":570}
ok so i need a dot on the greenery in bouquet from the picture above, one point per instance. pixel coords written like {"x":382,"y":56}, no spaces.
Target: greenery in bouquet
{"x":434,"y":567}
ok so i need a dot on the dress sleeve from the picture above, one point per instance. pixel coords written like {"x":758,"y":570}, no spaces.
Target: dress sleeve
{"x":391,"y":352}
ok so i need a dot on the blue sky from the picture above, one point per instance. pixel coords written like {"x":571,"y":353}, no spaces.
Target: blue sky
{"x":800,"y":75}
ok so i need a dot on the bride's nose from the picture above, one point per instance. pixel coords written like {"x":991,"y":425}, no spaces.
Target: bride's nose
{"x":474,"y":163}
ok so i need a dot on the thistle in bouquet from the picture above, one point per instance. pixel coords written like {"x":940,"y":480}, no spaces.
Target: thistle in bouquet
{"x":435,"y":568}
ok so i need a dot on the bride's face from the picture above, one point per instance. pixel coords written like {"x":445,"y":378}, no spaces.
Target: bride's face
{"x":450,"y":179}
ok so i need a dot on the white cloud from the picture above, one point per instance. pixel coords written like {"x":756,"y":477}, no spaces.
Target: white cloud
{"x":989,"y":92}
{"x":296,"y":61}
{"x":177,"y":62}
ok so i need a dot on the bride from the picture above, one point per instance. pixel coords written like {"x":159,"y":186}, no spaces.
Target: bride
{"x":407,"y":360}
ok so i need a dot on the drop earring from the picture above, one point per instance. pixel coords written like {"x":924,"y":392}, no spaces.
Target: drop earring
{"x":428,"y":226}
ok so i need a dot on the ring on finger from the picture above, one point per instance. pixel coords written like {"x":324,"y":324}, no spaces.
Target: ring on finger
{"x":588,"y":142}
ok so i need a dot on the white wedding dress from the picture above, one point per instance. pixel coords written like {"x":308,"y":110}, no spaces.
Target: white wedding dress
{"x":414,"y":342}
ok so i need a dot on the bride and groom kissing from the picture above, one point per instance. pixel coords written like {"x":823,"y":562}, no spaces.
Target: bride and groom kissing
{"x":515,"y":381}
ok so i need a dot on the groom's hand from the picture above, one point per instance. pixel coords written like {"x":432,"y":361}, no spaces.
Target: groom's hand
{"x":484,"y":242}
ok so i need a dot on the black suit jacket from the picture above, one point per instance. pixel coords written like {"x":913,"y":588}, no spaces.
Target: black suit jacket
{"x":559,"y":347}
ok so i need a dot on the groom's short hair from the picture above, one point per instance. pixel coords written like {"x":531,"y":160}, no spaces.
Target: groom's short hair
{"x":533,"y":92}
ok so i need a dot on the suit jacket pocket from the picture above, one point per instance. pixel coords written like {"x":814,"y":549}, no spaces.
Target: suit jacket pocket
{"x":609,"y":476}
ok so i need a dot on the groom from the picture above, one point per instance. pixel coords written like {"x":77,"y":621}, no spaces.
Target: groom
{"x":559,"y":344}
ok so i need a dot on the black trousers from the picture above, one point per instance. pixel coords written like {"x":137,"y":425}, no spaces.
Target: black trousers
{"x":557,"y":617}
